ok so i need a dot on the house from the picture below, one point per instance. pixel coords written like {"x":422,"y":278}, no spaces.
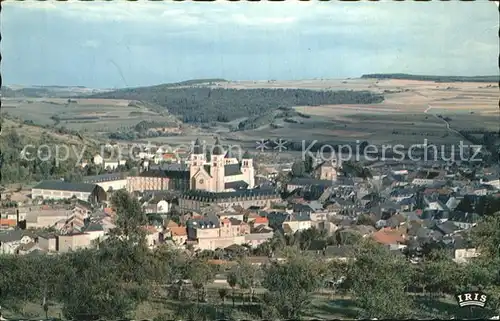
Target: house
{"x":74,"y":240}
{"x":447,"y":228}
{"x":108,"y":182}
{"x":112,"y":165}
{"x":11,"y":240}
{"x":152,"y":236}
{"x":259,"y":221}
{"x":48,"y":242}
{"x":298,"y":221}
{"x":258,"y":235}
{"x":210,"y":233}
{"x":64,"y":190}
{"x":463,"y":250}
{"x":327,"y":170}
{"x":178,"y":234}
{"x":392,"y":238}
{"x":46,"y":216}
{"x":28,"y":248}
{"x":97,"y":159}
{"x":398,"y":195}
{"x":235,"y":211}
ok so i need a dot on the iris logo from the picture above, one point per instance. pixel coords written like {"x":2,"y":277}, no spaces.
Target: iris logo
{"x":477,"y":299}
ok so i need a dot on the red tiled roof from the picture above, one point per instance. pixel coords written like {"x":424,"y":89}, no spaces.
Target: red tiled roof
{"x":261,"y":220}
{"x":388,"y":236}
{"x":178,"y":231}
{"x":8,"y":222}
{"x":172,"y":224}
{"x":109,"y":211}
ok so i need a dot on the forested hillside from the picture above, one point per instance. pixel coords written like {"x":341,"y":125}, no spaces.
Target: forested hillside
{"x":17,"y":135}
{"x":201,"y":105}
{"x":434,"y":78}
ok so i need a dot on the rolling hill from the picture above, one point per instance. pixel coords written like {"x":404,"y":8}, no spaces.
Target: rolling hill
{"x":203,"y":104}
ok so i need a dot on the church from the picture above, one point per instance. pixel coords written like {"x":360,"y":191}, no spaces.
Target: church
{"x":223,"y":172}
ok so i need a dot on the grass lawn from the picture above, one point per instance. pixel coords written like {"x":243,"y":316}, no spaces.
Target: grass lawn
{"x":324,"y":306}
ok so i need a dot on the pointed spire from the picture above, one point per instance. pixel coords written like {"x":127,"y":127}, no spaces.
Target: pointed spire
{"x":246,"y":155}
{"x":197,"y":148}
{"x":218,"y":149}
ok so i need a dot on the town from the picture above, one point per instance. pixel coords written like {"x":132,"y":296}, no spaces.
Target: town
{"x":249,"y":160}
{"x":216,"y":206}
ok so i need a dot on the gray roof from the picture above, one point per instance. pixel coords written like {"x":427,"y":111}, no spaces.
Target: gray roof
{"x":447,"y":227}
{"x":103,"y":178}
{"x":301,"y":217}
{"x":167,"y":170}
{"x":206,"y":221}
{"x":303,"y":181}
{"x":232,"y":169}
{"x":12,"y":236}
{"x":94,"y":227}
{"x":236,"y":185}
{"x":170,"y":167}
{"x":193,"y":194}
{"x":66,"y":186}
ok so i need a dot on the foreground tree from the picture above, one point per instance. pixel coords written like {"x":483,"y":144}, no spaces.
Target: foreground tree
{"x":379,"y":280}
{"x":246,"y":276}
{"x":200,"y":273}
{"x":292,"y":283}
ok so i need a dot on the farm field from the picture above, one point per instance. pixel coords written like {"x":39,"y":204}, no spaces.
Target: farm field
{"x":92,"y":115}
{"x":407,"y":115}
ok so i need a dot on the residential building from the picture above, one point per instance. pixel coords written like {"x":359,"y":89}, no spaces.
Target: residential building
{"x":195,"y":200}
{"x":64,"y":190}
{"x":11,"y":240}
{"x":211,"y":233}
{"x":108,"y":182}
{"x":298,"y":222}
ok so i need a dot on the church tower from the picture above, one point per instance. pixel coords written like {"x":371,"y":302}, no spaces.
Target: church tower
{"x":247,"y":169}
{"x":197,"y":160}
{"x":217,"y":166}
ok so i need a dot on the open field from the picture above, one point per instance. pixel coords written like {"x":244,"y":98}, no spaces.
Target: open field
{"x":92,"y":115}
{"x":407,"y":115}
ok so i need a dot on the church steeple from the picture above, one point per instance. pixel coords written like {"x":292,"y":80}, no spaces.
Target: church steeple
{"x":197,"y":148}
{"x":218,"y":149}
{"x":246,"y":155}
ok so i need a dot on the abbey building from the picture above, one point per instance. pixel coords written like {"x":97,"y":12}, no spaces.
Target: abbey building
{"x":216,"y":171}
{"x":223,"y":172}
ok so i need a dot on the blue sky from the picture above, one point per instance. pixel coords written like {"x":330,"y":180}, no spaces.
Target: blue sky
{"x":119,"y":44}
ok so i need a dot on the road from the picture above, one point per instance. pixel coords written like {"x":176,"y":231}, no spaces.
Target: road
{"x":448,"y":127}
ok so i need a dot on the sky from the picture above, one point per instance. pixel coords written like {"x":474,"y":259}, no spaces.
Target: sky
{"x":127,"y":44}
